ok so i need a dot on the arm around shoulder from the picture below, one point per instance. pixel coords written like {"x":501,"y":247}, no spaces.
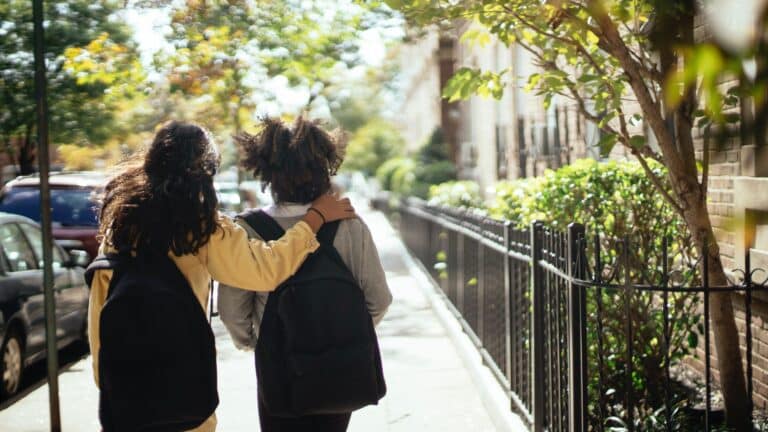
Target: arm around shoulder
{"x":253,"y":264}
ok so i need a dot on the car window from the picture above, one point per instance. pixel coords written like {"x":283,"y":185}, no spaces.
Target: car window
{"x":35,"y":236}
{"x":69,"y":207}
{"x":18,"y":253}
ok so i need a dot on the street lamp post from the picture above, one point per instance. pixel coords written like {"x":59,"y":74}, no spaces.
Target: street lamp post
{"x":45,"y":215}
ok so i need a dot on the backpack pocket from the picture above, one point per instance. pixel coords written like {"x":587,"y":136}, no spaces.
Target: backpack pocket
{"x":335,"y":381}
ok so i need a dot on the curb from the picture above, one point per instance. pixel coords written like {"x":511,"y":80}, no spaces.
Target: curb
{"x":493,"y":396}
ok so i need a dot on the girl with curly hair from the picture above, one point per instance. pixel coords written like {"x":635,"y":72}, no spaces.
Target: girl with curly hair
{"x":297,"y":164}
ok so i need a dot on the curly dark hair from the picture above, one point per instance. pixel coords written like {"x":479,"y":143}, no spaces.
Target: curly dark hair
{"x":297,"y":162}
{"x":164,"y":199}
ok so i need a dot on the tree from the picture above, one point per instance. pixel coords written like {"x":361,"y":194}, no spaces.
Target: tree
{"x":368,"y":98}
{"x":604,"y":55}
{"x":229,"y":50}
{"x":91,"y":64}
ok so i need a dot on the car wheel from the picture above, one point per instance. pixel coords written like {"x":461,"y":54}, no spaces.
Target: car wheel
{"x":11,"y":364}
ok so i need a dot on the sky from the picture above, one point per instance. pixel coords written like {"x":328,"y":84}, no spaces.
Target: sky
{"x":150,"y":26}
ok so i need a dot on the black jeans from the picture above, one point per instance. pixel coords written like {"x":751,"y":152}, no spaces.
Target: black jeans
{"x":310,"y":423}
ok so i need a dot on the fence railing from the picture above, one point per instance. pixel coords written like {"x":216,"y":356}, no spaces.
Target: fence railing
{"x":574,"y":342}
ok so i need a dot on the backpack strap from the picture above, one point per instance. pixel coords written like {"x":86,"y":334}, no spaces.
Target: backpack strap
{"x":327,"y":233}
{"x":267,"y":228}
{"x":102,"y":262}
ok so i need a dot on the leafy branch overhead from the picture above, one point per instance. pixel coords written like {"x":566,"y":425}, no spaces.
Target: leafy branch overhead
{"x":229,"y":50}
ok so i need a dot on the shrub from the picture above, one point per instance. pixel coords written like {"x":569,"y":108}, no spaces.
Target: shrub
{"x":403,"y":177}
{"x":435,"y":149}
{"x":407,"y":177}
{"x":372,"y":145}
{"x":456,"y":194}
{"x":618,"y":201}
{"x":615,"y":199}
{"x":426,"y":176}
{"x":387,"y":170}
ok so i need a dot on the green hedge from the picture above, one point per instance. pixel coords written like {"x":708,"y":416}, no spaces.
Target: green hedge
{"x":460,"y":193}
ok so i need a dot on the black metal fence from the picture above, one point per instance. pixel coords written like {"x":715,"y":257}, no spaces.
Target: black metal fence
{"x":575,"y":343}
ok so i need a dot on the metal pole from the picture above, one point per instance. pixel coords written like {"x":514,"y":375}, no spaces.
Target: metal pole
{"x":45,"y":216}
{"x":537,"y":330}
{"x":577,"y":311}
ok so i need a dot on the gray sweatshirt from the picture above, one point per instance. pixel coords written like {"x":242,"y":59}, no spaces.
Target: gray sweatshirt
{"x":241,"y":310}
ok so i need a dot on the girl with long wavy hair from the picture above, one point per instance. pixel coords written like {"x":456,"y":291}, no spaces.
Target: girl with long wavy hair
{"x":164,"y":201}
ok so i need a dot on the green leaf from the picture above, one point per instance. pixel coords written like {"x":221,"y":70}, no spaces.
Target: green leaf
{"x":592,"y":38}
{"x":637,"y":141}
{"x":606,"y":144}
{"x":477,"y":35}
{"x":693,"y":340}
{"x":547,"y":100}
{"x":533,"y":79}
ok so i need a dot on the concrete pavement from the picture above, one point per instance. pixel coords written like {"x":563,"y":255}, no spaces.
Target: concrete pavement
{"x":430,"y":388}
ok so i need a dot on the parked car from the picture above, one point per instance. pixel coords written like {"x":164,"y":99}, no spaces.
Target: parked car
{"x":73,"y":205}
{"x":22,"y":312}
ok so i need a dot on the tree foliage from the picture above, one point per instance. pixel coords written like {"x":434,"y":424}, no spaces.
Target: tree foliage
{"x":227,"y":51}
{"x":91,"y":64}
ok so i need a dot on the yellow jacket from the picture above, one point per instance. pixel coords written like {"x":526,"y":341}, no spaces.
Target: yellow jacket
{"x":229,"y":257}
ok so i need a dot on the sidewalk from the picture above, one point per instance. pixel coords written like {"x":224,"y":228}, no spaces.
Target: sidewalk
{"x":429,"y":388}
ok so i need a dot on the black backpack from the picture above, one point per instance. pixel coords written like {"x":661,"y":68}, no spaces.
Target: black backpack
{"x":157,"y":361}
{"x":317,"y":351}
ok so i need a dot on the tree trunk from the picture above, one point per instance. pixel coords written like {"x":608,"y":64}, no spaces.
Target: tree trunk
{"x":27,"y":153}
{"x":679,"y":157}
{"x":723,"y":322}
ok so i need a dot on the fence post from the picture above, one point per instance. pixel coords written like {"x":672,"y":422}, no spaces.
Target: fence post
{"x":577,"y":325}
{"x":507,"y":305}
{"x":460,"y":274}
{"x":537,"y":329}
{"x":481,"y":286}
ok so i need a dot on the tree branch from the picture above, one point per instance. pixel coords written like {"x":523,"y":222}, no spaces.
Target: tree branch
{"x":657,"y":182}
{"x":651,"y":109}
{"x":579,"y":47}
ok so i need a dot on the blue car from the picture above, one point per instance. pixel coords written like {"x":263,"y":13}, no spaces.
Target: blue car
{"x":22,"y":312}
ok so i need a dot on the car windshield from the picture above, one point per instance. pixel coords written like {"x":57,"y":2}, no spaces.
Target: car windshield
{"x":69,"y":207}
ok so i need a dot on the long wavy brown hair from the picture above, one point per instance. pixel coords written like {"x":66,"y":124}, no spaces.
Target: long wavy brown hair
{"x":296,"y":162}
{"x":164,"y":199}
